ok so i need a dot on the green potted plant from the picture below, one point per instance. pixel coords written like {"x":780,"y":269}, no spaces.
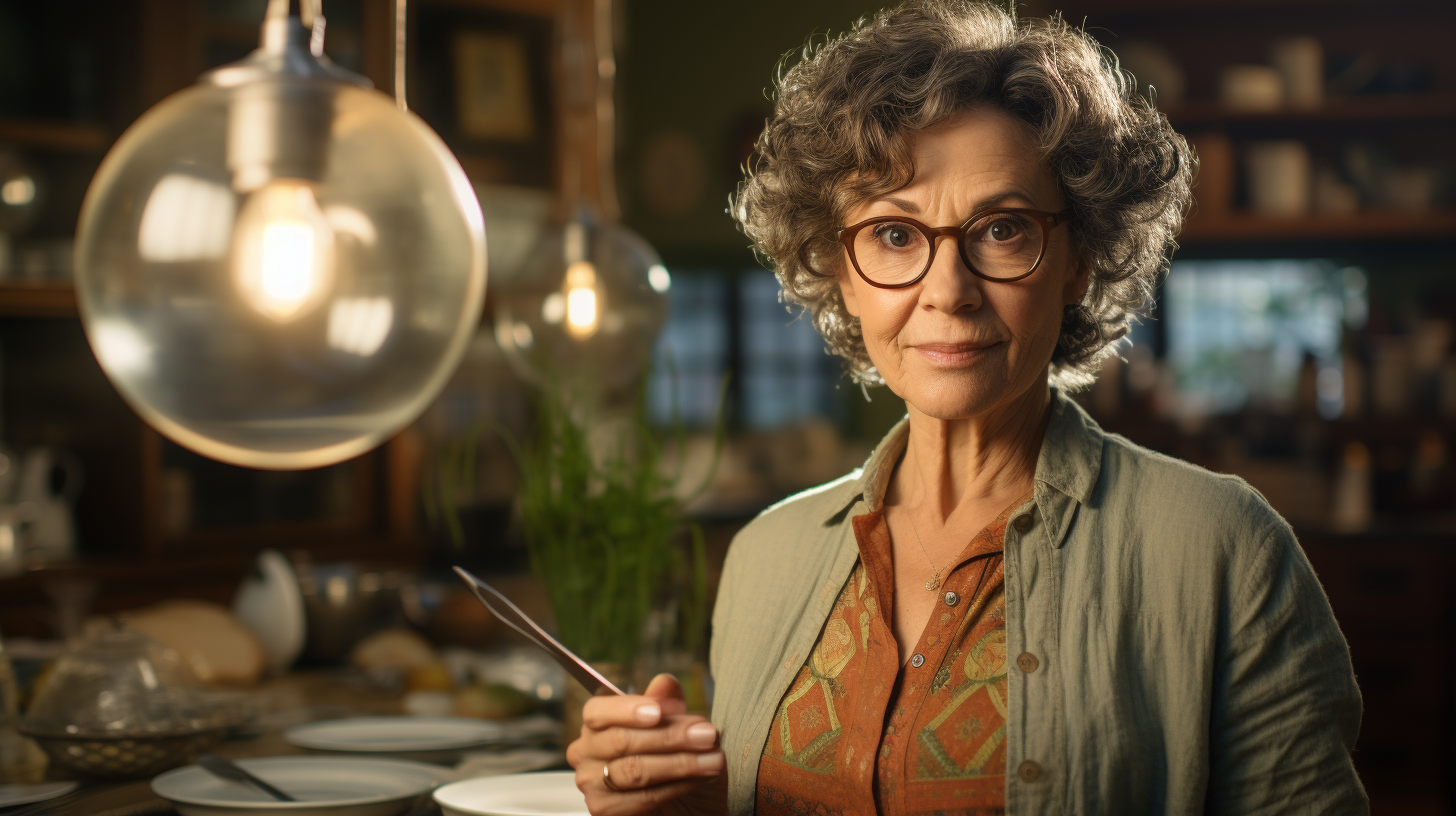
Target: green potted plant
{"x":601,"y":510}
{"x":601,"y":520}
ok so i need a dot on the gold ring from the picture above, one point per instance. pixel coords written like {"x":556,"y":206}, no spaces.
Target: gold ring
{"x":607,"y":779}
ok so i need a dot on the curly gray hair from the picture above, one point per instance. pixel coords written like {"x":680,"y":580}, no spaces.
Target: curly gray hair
{"x":840,"y":133}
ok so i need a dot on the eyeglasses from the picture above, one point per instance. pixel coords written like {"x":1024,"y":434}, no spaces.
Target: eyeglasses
{"x":1003,"y":244}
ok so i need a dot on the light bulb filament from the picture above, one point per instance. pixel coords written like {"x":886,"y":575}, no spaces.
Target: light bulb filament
{"x":583,"y":309}
{"x":288,"y":253}
{"x":285,"y":250}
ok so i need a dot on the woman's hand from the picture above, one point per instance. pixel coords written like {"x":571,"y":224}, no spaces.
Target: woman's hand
{"x":653,"y":750}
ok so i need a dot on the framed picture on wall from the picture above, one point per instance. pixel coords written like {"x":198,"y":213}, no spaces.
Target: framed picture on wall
{"x":482,"y":79}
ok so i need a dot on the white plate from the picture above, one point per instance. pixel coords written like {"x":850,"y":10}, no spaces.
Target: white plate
{"x":394,"y":734}
{"x":340,"y":786}
{"x":535,"y":794}
{"x":25,"y":794}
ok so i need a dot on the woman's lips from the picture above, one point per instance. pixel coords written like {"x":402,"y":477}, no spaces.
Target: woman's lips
{"x":954,"y":354}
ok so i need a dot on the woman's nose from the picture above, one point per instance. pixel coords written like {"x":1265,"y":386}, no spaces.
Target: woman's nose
{"x":949,"y":286}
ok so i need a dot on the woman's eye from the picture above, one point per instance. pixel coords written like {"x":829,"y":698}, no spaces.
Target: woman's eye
{"x":897,"y":236}
{"x":1003,"y":230}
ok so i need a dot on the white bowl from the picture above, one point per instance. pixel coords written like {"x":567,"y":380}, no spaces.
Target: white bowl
{"x":552,"y":793}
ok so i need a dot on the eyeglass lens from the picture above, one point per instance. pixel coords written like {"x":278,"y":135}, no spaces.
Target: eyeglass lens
{"x":998,"y":245}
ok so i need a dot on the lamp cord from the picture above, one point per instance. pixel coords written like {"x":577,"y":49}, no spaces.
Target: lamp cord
{"x":400,"y":17}
{"x":606,"y":110}
{"x":307,"y":10}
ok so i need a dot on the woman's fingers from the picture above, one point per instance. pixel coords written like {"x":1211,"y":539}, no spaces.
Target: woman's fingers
{"x":639,"y":771}
{"x":603,"y":802}
{"x":683,"y":732}
{"x":629,"y":710}
{"x":664,"y":687}
{"x":650,"y":749}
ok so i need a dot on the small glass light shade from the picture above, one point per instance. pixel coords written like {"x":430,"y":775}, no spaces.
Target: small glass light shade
{"x":279,"y":270}
{"x":20,"y":194}
{"x":585,"y":307}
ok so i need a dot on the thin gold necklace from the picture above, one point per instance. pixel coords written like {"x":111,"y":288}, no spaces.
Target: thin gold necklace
{"x":934,"y":583}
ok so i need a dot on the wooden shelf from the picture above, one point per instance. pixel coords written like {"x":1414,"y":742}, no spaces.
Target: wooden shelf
{"x":25,"y":298}
{"x":1374,"y":107}
{"x":1366,"y":226}
{"x":61,"y":137}
{"x":1075,"y":9}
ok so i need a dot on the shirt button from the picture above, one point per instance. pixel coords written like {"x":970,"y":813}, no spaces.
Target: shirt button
{"x":1027,"y":662}
{"x":917,"y":661}
{"x":951,"y":599}
{"x":1028,"y":771}
{"x":1023,"y":522}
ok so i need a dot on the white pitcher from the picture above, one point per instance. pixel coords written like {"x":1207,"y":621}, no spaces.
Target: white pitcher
{"x":52,"y":533}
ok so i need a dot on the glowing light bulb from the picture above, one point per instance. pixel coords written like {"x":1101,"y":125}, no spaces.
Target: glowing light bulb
{"x":583,"y":313}
{"x":585,"y":307}
{"x":284,"y":250}
{"x":18,"y":192}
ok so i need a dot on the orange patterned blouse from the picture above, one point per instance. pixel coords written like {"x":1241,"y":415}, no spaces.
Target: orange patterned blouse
{"x":859,"y":733}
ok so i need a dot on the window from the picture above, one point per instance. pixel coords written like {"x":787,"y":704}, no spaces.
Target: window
{"x":696,"y":340}
{"x":787,"y":377}
{"x":1238,"y":332}
{"x":718,"y":323}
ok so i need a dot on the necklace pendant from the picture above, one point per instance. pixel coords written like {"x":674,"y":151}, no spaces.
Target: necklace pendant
{"x":933,"y":584}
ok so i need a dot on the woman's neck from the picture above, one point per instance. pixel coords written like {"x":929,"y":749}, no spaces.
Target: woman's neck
{"x":974,"y":461}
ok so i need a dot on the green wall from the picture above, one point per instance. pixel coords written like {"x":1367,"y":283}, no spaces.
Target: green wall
{"x":702,"y":71}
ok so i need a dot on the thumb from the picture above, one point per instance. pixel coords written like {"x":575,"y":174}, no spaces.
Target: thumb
{"x":664,"y":687}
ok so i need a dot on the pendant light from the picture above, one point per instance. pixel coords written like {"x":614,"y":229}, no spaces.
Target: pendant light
{"x":588,"y":303}
{"x":280,"y":267}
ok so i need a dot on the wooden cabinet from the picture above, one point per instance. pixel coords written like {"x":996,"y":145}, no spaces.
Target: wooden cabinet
{"x":1405,"y":109}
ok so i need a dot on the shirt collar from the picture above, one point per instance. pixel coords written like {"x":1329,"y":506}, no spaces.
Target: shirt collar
{"x":1069,"y":462}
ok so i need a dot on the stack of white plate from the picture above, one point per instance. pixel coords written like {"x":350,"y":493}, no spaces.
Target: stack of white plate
{"x":423,"y":739}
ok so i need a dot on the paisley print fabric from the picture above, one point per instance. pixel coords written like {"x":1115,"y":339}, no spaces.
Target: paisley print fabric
{"x":859,"y":733}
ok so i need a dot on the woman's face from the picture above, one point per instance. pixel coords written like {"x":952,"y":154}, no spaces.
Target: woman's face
{"x":954,"y":345}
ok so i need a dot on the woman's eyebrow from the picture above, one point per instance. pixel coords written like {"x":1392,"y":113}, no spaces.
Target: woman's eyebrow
{"x":903,"y":203}
{"x":1001,"y":198}
{"x":997,"y":199}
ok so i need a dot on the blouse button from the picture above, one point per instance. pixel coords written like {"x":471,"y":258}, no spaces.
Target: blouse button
{"x":917,"y":661}
{"x":951,"y":599}
{"x":1023,"y":522}
{"x":1027,"y":662}
{"x":1028,"y":771}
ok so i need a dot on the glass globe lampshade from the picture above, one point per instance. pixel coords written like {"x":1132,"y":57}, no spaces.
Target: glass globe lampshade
{"x":277,"y":267}
{"x":585,"y":307}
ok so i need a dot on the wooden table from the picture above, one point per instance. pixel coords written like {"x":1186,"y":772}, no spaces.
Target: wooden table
{"x":283,"y":702}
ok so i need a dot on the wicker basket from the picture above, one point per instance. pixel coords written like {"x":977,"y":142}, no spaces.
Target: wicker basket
{"x":123,"y":755}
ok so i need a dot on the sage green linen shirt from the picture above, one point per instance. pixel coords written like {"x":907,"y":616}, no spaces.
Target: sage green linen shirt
{"x":1187,"y":658}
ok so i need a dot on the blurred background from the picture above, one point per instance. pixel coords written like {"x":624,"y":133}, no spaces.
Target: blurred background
{"x":1304,"y":339}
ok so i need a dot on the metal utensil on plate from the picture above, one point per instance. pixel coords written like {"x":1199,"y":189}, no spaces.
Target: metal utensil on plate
{"x":502,"y":608}
{"x":218,"y":766}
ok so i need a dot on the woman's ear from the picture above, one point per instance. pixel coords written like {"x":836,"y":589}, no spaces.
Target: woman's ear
{"x":1077,"y":284}
{"x":846,"y":289}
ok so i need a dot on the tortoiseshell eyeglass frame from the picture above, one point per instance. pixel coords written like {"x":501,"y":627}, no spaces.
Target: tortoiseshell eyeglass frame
{"x":932,"y":234}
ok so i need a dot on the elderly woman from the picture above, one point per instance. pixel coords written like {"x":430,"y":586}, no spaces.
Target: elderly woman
{"x":1006,"y":609}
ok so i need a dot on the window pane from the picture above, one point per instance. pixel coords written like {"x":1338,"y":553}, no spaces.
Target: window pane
{"x":787,"y":377}
{"x":695,"y":338}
